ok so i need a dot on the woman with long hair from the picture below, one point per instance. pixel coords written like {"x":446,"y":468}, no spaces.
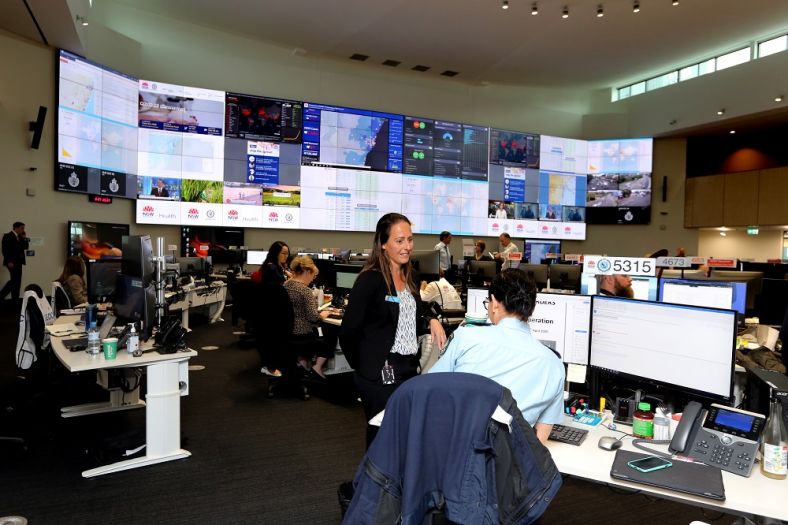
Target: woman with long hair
{"x":384,"y":317}
{"x":73,"y":281}
{"x":274,"y":267}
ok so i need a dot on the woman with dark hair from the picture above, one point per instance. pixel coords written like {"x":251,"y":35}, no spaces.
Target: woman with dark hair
{"x":275,"y":265}
{"x":509,"y":354}
{"x":383,"y":318}
{"x":72,"y":280}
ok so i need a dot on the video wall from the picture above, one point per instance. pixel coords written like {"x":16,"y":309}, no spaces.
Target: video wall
{"x":201,"y":157}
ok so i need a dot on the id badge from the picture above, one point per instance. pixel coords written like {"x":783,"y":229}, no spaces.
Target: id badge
{"x":387,"y":374}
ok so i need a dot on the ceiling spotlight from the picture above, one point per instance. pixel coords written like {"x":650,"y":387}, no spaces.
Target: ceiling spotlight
{"x":565,"y":14}
{"x":675,"y":2}
{"x":600,"y":12}
{"x":636,"y":7}
{"x":732,"y":132}
{"x":721,"y":111}
{"x":82,"y":20}
{"x":723,"y":234}
{"x":778,"y":98}
{"x":534,"y":9}
{"x":505,"y":4}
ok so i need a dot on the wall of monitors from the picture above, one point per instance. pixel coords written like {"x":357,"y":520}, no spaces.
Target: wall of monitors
{"x":199,"y":157}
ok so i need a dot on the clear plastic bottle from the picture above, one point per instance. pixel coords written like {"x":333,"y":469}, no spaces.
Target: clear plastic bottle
{"x":643,"y":421}
{"x":94,"y":341}
{"x":774,"y":444}
{"x":133,"y":342}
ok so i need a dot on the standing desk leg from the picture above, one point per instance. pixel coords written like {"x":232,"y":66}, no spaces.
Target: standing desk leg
{"x":162,"y":421}
{"x":185,"y":318}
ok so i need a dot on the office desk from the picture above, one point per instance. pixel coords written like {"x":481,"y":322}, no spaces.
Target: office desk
{"x":753,"y":496}
{"x":210,"y":295}
{"x":162,"y":406}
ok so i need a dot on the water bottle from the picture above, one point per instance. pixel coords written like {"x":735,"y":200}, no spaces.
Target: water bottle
{"x":94,"y":341}
{"x":133,"y":342}
{"x":320,"y":297}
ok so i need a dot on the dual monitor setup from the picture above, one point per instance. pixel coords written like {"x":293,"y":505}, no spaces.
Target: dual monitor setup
{"x":648,"y":343}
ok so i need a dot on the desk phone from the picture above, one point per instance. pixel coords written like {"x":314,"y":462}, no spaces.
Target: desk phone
{"x":727,"y":438}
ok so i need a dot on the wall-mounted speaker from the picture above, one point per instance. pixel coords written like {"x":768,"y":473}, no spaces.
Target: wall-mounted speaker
{"x":665,"y":188}
{"x":37,"y":127}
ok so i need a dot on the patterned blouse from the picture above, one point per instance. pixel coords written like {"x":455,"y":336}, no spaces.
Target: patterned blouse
{"x":405,"y":341}
{"x":305,"y":313}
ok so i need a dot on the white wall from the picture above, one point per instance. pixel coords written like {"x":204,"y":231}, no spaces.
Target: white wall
{"x":768,"y":244}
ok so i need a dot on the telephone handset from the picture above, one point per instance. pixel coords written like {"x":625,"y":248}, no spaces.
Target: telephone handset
{"x":722,"y":437}
{"x":691,"y":420}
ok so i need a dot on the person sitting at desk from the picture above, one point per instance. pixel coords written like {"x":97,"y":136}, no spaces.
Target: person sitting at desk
{"x":479,"y":253}
{"x":618,"y":285}
{"x":72,"y":280}
{"x":305,"y":312}
{"x":274,"y":268}
{"x":508,"y":354}
{"x":441,"y":292}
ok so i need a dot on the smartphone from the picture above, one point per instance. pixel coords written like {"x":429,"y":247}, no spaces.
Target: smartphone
{"x":649,"y":464}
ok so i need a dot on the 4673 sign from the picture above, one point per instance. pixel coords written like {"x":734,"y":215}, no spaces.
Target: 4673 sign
{"x":597,"y":264}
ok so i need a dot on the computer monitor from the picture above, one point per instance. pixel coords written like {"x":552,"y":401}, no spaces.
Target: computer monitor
{"x":537,"y":272}
{"x":256,"y":257}
{"x":754,"y":282}
{"x":536,"y":251}
{"x":565,"y":276}
{"x":427,"y":263}
{"x":562,"y":322}
{"x":645,"y":288}
{"x":772,"y":302}
{"x":196,"y":266}
{"x":480,"y":272}
{"x":138,"y":257}
{"x":229,"y":257}
{"x":475,"y":302}
{"x":101,"y":276}
{"x":326,"y":274}
{"x":660,"y":344}
{"x":135,"y":302}
{"x":343,"y":255}
{"x":713,"y":294}
{"x":346,"y":275}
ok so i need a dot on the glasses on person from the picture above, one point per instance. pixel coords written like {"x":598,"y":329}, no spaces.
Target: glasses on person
{"x":485,"y":303}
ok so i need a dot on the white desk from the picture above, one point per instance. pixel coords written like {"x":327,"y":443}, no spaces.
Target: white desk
{"x":162,"y":412}
{"x":753,"y":496}
{"x":211,"y":295}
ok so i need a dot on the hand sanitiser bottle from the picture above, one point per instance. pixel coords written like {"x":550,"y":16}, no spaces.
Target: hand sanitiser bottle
{"x":774,"y":444}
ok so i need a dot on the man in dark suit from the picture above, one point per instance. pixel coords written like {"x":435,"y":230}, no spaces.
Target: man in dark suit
{"x":14,"y":245}
{"x":160,"y":190}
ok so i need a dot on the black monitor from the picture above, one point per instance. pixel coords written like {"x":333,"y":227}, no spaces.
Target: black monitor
{"x":198,"y":241}
{"x":427,"y":263}
{"x":135,"y":302}
{"x":754,"y":282}
{"x":565,"y":276}
{"x":537,"y":272}
{"x":326,"y":275}
{"x":194,"y":266}
{"x":229,"y":257}
{"x":659,"y":344}
{"x":138,"y":257}
{"x":101,"y":276}
{"x":480,"y":272}
{"x":771,"y":304}
{"x":343,"y":255}
{"x":346,"y":275}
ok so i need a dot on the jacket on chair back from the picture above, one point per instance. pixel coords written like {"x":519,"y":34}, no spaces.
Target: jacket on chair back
{"x":439,"y":448}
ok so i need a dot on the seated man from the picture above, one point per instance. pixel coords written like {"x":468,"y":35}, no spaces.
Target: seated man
{"x":618,"y":285}
{"x":441,"y":292}
{"x":509,"y":354}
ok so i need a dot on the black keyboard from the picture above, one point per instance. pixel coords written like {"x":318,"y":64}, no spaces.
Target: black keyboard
{"x":335,"y":316}
{"x":571,"y":435}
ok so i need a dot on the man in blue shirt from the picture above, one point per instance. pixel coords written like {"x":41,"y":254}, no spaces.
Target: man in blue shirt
{"x":508,"y":354}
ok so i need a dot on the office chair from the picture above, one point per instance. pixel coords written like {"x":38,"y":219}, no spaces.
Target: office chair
{"x":36,"y":314}
{"x":60,"y":299}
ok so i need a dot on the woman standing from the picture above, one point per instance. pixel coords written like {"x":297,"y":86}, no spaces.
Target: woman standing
{"x":274,"y":267}
{"x":383,"y":318}
{"x":72,"y":280}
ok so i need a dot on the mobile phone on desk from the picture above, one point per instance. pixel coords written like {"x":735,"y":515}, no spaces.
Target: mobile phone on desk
{"x":649,"y":464}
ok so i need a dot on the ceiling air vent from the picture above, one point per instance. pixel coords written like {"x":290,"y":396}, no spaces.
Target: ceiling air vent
{"x":420,"y":69}
{"x":359,"y":57}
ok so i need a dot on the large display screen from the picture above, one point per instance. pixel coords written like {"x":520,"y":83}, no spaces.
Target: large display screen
{"x":619,"y":181}
{"x":96,"y":240}
{"x":199,"y":241}
{"x":194,"y":156}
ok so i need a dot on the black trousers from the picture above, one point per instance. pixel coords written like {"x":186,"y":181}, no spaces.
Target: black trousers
{"x":375,"y":395}
{"x":14,"y":284}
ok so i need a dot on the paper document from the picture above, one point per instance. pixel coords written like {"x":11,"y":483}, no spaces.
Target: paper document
{"x":576,"y":373}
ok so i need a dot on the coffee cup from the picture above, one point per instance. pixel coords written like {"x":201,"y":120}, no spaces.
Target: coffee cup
{"x":110,"y":347}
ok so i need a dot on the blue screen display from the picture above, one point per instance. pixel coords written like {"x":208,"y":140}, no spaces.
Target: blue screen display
{"x":735,"y":420}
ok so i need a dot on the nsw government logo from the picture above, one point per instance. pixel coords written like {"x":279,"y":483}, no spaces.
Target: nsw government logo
{"x":232,"y":215}
{"x":273,"y":217}
{"x":495,"y":227}
{"x":193,"y":213}
{"x":147,"y":211}
{"x":210,"y":214}
{"x":520,"y":228}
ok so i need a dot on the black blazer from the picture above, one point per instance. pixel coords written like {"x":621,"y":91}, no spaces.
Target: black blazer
{"x":370,"y":324}
{"x":13,"y":249}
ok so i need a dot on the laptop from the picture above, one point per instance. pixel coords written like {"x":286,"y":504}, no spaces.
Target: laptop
{"x":104,"y":330}
{"x":689,"y":478}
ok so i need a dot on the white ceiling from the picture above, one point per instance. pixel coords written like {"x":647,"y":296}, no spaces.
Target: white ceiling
{"x":485,"y":43}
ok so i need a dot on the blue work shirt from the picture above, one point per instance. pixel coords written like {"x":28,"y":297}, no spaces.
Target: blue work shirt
{"x":508,"y":354}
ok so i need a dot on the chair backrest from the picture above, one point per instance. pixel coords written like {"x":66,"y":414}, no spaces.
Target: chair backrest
{"x":35,"y":315}
{"x":60,"y":298}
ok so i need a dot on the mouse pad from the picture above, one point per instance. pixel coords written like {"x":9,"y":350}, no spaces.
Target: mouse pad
{"x":690,"y":478}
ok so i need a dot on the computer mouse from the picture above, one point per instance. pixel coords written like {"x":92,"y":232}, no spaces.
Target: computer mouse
{"x":609,"y":443}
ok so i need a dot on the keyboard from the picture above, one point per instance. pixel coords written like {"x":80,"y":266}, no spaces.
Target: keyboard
{"x":570,"y":435}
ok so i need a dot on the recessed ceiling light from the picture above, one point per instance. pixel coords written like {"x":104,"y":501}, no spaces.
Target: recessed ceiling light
{"x":778,"y":98}
{"x":565,"y":14}
{"x":732,"y":132}
{"x":600,"y":11}
{"x":675,"y":2}
{"x":636,"y":7}
{"x":82,"y":20}
{"x":721,"y":111}
{"x":505,"y":4}
{"x":534,"y":9}
{"x":723,"y":234}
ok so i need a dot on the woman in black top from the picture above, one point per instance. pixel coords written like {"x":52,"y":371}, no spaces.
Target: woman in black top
{"x":275,"y":264}
{"x":383,"y":318}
